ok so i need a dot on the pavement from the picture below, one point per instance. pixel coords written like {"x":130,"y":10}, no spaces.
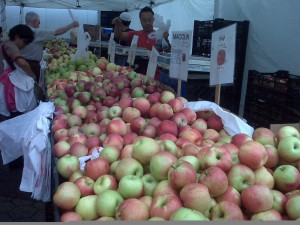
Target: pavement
{"x":18,"y":206}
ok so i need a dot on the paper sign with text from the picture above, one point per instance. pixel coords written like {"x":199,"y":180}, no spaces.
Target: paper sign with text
{"x":180,"y":53}
{"x":152,"y":64}
{"x":111,"y":48}
{"x":222,"y":56}
{"x":132,"y":50}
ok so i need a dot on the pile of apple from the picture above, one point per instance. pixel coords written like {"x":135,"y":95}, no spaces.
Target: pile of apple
{"x":161,"y":161}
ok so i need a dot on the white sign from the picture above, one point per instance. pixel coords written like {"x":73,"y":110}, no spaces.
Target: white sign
{"x":222,"y":56}
{"x":180,"y":53}
{"x":111,"y":48}
{"x":132,"y":50}
{"x":152,"y":64}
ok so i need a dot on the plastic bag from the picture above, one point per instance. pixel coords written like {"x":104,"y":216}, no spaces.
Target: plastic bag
{"x":83,"y":41}
{"x":232,"y":124}
{"x":162,"y":27}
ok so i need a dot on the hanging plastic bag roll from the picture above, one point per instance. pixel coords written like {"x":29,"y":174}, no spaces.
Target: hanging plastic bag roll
{"x":83,"y":41}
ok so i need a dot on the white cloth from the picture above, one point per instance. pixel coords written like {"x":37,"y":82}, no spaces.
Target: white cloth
{"x":27,"y":135}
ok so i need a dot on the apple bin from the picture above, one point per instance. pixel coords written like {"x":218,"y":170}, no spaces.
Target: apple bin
{"x":125,"y":148}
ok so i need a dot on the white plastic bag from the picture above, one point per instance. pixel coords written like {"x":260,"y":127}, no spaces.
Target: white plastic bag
{"x":232,"y":124}
{"x":83,"y":41}
{"x":162,"y":27}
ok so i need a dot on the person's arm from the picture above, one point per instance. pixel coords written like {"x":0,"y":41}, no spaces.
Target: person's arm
{"x":119,"y":35}
{"x":64,"y":29}
{"x":17,"y":58}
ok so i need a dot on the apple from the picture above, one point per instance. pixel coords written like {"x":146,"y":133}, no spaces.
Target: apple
{"x":149,"y":131}
{"x":96,"y":168}
{"x":105,"y":182}
{"x":180,"y":119}
{"x":240,"y":177}
{"x":86,"y":207}
{"x":114,"y":111}
{"x":129,"y":166}
{"x":211,"y":205}
{"x":78,"y":149}
{"x":215,"y":122}
{"x":66,"y":165}
{"x":66,"y":195}
{"x":186,"y":214}
{"x":167,"y":126}
{"x":292,"y":207}
{"x":59,"y":124}
{"x":219,"y":157}
{"x":289,"y":149}
{"x":287,"y":178}
{"x":226,"y":210}
{"x":176,"y":104}
{"x":160,"y":164}
{"x":126,"y":151}
{"x":230,"y":195}
{"x":149,"y":183}
{"x":269,"y":215}
{"x":144,"y":149}
{"x":61,"y":148}
{"x":80,"y":111}
{"x":138,"y":124}
{"x":164,"y":111}
{"x":111,"y":153}
{"x":147,"y":200}
{"x":76,"y":175}
{"x":132,"y":209}
{"x":70,"y":216}
{"x":85,"y":185}
{"x":125,"y":102}
{"x":287,"y":131}
{"x":181,"y":173}
{"x":92,"y":129}
{"x":166,"y":96}
{"x":114,"y":140}
{"x":142,"y":104}
{"x":233,"y":151}
{"x":164,"y":187}
{"x":239,"y":139}
{"x":257,"y":198}
{"x":190,"y":195}
{"x":169,"y":146}
{"x":107,"y":203}
{"x":154,"y":97}
{"x":192,"y":160}
{"x":215,"y":180}
{"x":92,"y":142}
{"x":264,"y":136}
{"x":252,"y":154}
{"x":137,"y":92}
{"x":129,"y":137}
{"x":61,"y":134}
{"x":193,"y":135}
{"x":211,"y":134}
{"x":130,"y":113}
{"x":164,"y":205}
{"x":279,"y":201}
{"x":273,"y":156}
{"x":263,"y":176}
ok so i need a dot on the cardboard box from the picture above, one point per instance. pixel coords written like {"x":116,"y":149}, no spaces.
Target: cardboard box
{"x":276,"y":127}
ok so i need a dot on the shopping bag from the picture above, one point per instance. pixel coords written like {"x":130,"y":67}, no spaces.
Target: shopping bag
{"x":83,"y":41}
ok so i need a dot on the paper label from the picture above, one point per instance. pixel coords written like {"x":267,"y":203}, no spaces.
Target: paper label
{"x":180,"y":53}
{"x":111,"y":48}
{"x":222,"y":55}
{"x":132,"y":50}
{"x":152,"y":64}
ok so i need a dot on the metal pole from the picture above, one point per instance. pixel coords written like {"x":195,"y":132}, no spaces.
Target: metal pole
{"x":3,"y":19}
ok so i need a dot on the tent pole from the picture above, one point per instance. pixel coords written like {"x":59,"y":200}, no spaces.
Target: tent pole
{"x":3,"y":19}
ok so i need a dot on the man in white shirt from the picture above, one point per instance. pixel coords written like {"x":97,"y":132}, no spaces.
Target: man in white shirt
{"x":33,"y":53}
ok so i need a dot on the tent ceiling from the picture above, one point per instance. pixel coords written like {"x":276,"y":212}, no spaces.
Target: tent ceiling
{"x":103,"y":5}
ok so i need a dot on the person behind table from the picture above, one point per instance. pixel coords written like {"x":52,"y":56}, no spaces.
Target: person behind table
{"x":19,"y":37}
{"x":147,"y":20}
{"x":33,"y":53}
{"x":126,"y":20}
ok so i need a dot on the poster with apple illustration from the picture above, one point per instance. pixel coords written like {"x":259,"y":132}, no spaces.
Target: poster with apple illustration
{"x":180,"y":52}
{"x":222,"y":56}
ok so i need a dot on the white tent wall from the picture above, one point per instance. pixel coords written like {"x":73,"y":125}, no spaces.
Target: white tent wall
{"x":273,"y":40}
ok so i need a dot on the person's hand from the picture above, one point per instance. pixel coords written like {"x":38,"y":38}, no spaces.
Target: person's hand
{"x":75,"y":24}
{"x":166,"y":35}
{"x":117,"y":21}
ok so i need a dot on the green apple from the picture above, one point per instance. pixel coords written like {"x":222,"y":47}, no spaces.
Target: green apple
{"x":287,"y":178}
{"x":129,"y":166}
{"x":86,"y":207}
{"x":186,"y":214}
{"x":293,"y":208}
{"x":149,"y":184}
{"x":107,"y":202}
{"x":67,"y":165}
{"x":131,"y":186}
{"x":144,"y":149}
{"x":289,"y":149}
{"x":192,"y":160}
